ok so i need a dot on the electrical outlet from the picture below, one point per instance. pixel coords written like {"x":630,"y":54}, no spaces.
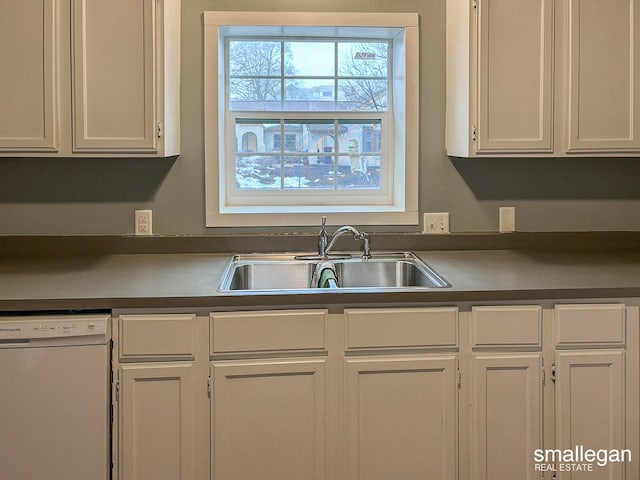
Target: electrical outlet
{"x":436,"y":223}
{"x":143,"y":222}
{"x":507,"y":219}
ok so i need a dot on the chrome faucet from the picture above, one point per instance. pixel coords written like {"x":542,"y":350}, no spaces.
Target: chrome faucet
{"x":324,"y":249}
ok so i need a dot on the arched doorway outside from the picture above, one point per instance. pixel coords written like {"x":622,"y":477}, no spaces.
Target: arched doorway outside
{"x":249,"y":142}
{"x":325,"y":144}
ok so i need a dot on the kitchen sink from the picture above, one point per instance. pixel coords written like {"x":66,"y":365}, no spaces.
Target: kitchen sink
{"x":277,"y":273}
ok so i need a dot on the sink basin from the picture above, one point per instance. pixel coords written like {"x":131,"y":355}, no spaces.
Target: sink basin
{"x":293,"y":273}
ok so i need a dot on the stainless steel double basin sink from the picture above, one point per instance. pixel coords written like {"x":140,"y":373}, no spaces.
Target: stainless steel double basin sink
{"x":289,"y":273}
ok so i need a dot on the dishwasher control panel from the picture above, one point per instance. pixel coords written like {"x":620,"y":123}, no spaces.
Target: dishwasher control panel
{"x":53,"y":326}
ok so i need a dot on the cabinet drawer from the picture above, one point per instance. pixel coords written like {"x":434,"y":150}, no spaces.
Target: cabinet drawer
{"x":503,"y":326}
{"x":170,"y":336}
{"x":409,"y":328}
{"x":590,"y":325}
{"x":268,"y":331}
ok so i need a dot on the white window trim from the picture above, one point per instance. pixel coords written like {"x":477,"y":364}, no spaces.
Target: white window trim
{"x":404,"y":208}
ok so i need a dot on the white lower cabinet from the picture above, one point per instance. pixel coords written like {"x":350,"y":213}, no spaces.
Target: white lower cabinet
{"x":157,"y":421}
{"x":401,"y":418}
{"x":269,"y":380}
{"x":401,"y":393}
{"x":550,"y":384}
{"x":268,"y":419}
{"x":590,"y":406}
{"x":506,"y":415}
{"x":435,"y":392}
{"x":506,"y":402}
{"x":160,"y":397}
{"x":596,"y":386}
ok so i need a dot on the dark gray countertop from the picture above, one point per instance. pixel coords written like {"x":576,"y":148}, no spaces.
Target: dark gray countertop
{"x":182,"y":280}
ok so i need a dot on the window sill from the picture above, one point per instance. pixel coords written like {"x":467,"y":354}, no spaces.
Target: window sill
{"x":309,"y":216}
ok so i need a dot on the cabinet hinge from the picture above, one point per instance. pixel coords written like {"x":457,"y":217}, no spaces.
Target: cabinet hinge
{"x":159,"y":129}
{"x":554,"y":377}
{"x":117,"y":390}
{"x":459,"y":377}
{"x":543,"y":375}
{"x":209,"y":385}
{"x":474,"y":3}
{"x":474,"y":133}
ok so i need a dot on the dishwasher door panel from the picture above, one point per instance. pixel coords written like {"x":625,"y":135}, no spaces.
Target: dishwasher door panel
{"x":54,"y":412}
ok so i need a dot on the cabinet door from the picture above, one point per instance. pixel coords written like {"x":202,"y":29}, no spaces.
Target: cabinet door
{"x":28,"y":104}
{"x":506,"y":416}
{"x":590,"y":406}
{"x":156,"y":422}
{"x":515,"y":75}
{"x":604,"y":76}
{"x":268,"y":419}
{"x":401,"y":418}
{"x":114,"y":80}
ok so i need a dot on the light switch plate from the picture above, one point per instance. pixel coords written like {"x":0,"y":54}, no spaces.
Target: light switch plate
{"x":436,"y":223}
{"x":507,"y":219}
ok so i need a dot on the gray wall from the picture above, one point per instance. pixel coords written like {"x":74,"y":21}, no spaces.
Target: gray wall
{"x":98,"y":196}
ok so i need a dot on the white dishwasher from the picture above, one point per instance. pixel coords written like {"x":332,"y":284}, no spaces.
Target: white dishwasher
{"x":55,"y":397}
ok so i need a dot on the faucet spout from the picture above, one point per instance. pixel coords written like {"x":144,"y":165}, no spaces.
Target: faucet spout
{"x":357,"y":235}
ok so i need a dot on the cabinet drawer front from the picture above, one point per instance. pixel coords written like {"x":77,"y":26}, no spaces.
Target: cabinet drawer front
{"x":409,"y":328}
{"x":170,"y":336}
{"x":268,"y":331}
{"x":506,"y":326}
{"x":590,"y":325}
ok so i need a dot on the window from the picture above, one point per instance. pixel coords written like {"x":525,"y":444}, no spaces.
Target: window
{"x":309,"y":114}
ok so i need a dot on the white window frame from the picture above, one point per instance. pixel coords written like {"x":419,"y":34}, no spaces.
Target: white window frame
{"x":400,"y":203}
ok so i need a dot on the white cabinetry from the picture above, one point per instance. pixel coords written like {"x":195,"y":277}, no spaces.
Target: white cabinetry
{"x":269,"y":397}
{"x":160,"y":392}
{"x":506,"y":391}
{"x":438,"y":392}
{"x":119,"y":59}
{"x":401,"y":404}
{"x":603,"y":65}
{"x":543,"y":78}
{"x":592,"y":392}
{"x":562,"y":378}
{"x":157,"y":421}
{"x":29,"y":83}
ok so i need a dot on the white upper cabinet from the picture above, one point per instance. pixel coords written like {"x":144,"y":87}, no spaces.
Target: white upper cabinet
{"x":28,"y":102}
{"x":515,"y":41}
{"x":542,"y":78}
{"x":604,"y":76}
{"x":120,"y":61}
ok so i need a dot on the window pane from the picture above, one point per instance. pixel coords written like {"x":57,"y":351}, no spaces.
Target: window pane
{"x":357,"y":172}
{"x":363,"y":59}
{"x":256,"y":137}
{"x":254,"y":94}
{"x":258,"y":172}
{"x":309,"y":95}
{"x":305,"y":172}
{"x":254,"y":58}
{"x":310,"y":137}
{"x":310,"y":59}
{"x":360,"y":137}
{"x":363,"y":95}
